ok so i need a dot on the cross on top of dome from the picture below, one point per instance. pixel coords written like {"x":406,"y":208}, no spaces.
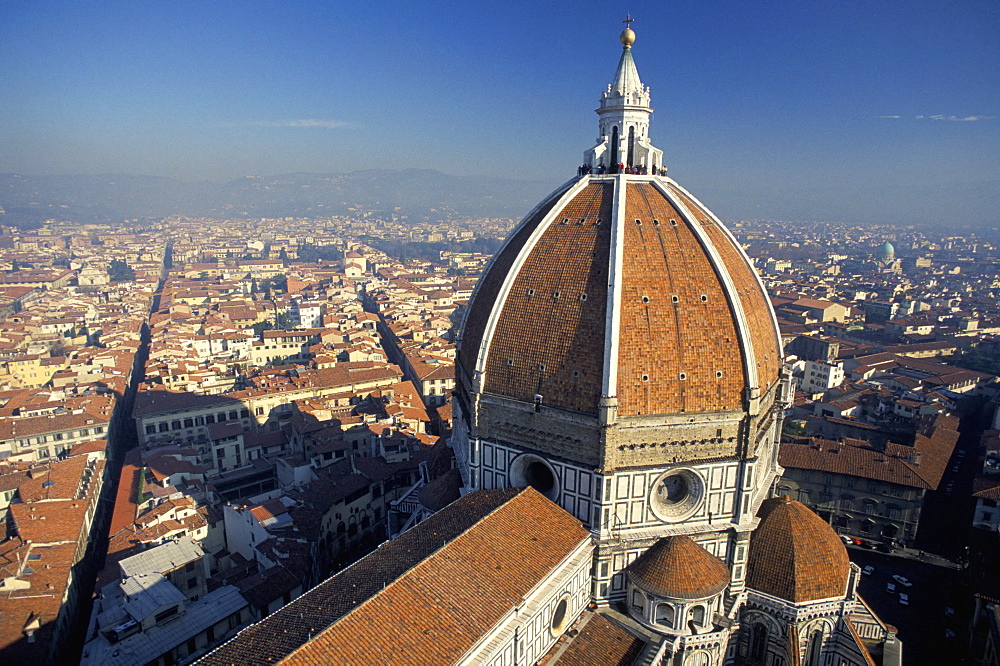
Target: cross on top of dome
{"x":628,"y":36}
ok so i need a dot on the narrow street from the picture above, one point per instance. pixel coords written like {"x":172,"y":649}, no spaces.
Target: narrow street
{"x":946,"y":519}
{"x":121,"y":438}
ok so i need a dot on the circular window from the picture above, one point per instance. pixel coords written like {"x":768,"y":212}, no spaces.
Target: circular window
{"x":673,"y":489}
{"x":531,"y":470}
{"x":539,"y":477}
{"x":676,"y":495}
{"x":560,"y":616}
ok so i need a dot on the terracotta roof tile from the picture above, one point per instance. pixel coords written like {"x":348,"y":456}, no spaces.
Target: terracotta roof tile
{"x":456,"y":595}
{"x":756,"y":306}
{"x":431,"y":577}
{"x":919,"y":466}
{"x":549,"y":339}
{"x":600,"y":642}
{"x":488,"y":288}
{"x":682,"y":304}
{"x":795,"y":555}
{"x":675,"y":317}
{"x":678,"y":567}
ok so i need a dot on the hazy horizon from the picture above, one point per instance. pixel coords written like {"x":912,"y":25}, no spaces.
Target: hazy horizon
{"x":783,"y":110}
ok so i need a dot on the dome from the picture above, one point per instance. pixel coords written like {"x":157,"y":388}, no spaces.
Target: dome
{"x":620,"y":326}
{"x":795,"y":555}
{"x":622,"y":285}
{"x":887,"y":249}
{"x":678,"y":568}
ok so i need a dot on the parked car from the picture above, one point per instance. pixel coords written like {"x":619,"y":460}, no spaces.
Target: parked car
{"x":890,"y":588}
{"x":949,"y":634}
{"x":904,"y":599}
{"x":949,"y":611}
{"x":902,"y":580}
{"x":857,"y":542}
{"x":846,"y":539}
{"x":868,"y":570}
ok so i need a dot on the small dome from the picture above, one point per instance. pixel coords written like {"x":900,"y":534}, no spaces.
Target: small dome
{"x":887,"y":249}
{"x":678,"y":568}
{"x":795,"y":555}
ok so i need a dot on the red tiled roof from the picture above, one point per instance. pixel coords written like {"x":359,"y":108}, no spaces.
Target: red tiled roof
{"x":269,"y":509}
{"x":128,"y":487}
{"x":489,"y":286}
{"x":458,"y":594}
{"x":600,"y":642}
{"x":919,"y":466}
{"x":679,"y":568}
{"x":420,"y":598}
{"x":693,"y":316}
{"x":548,"y":339}
{"x":795,"y":555}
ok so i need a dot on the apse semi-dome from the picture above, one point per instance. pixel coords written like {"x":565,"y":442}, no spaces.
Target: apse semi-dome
{"x":795,"y":555}
{"x":678,"y":568}
{"x":623,"y":286}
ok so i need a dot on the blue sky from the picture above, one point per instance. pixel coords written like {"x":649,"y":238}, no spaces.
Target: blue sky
{"x":874,"y":111}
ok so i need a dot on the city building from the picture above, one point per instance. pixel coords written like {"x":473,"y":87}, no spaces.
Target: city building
{"x":48,"y":549}
{"x":868,"y":488}
{"x":160,"y":610}
{"x":820,"y":376}
{"x":618,"y":406}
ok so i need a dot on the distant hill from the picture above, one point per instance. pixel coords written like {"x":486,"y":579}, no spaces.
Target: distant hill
{"x":419,"y":194}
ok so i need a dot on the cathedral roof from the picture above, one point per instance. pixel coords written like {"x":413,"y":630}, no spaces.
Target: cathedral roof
{"x":425,"y":597}
{"x":795,"y":555}
{"x":441,"y":491}
{"x":621,"y":295}
{"x":679,"y":568}
{"x":600,"y":642}
{"x":622,"y":286}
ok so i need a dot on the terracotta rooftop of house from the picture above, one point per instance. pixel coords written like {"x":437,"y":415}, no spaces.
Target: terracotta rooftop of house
{"x":795,"y":555}
{"x":157,"y":401}
{"x":442,"y":491}
{"x":269,"y":509}
{"x":986,"y":486}
{"x":36,"y":425}
{"x":128,"y":487}
{"x":919,"y":466}
{"x":679,"y":568}
{"x":432,"y":593}
{"x":43,"y":573}
{"x":57,"y":480}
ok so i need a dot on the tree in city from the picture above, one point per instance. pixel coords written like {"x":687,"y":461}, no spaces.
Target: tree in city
{"x":794,"y":429}
{"x":120,"y":271}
